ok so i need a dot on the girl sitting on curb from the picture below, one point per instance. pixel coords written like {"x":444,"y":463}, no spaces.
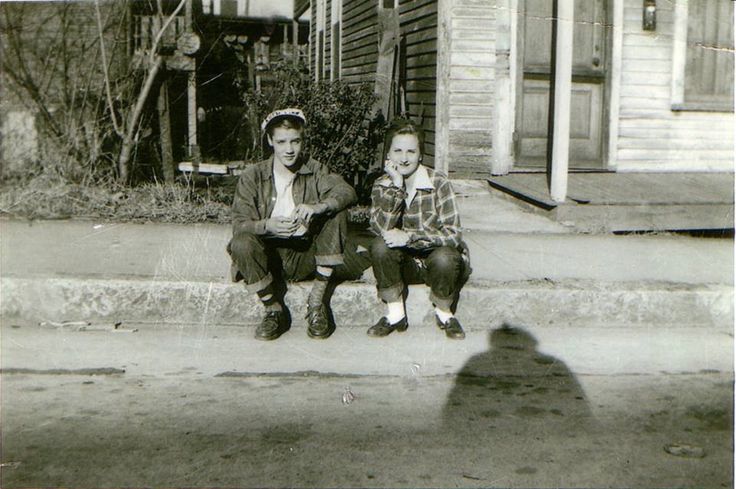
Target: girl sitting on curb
{"x":415,"y":218}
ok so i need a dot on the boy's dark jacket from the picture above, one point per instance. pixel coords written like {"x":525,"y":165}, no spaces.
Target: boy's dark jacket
{"x":255,"y":195}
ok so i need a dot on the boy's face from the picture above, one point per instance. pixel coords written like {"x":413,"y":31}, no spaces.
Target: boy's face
{"x":286,"y":144}
{"x":404,"y":154}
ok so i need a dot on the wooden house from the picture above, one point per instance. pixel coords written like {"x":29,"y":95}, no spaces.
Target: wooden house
{"x":638,"y":85}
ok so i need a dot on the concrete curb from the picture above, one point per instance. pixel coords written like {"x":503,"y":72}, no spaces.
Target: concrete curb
{"x":539,"y":303}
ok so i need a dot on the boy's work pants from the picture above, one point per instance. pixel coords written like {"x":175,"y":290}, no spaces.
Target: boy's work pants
{"x":258,"y":260}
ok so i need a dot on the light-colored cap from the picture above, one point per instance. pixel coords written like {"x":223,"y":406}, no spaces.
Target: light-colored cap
{"x":290,"y":112}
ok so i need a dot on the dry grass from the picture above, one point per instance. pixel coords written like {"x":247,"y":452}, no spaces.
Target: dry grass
{"x":54,"y":199}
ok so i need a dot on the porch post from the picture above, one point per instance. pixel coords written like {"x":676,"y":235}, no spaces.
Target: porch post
{"x":442,"y":134}
{"x":564,"y":16}
{"x":505,"y":93}
{"x":295,"y":40}
{"x":191,"y":95}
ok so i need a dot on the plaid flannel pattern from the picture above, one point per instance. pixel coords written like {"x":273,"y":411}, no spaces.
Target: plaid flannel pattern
{"x":431,"y":219}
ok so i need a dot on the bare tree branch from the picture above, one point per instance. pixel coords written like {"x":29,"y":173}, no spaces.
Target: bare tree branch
{"x":106,"y":74}
{"x":169,"y":20}
{"x":128,"y":141}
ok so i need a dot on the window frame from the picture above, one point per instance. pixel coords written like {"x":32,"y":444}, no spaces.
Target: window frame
{"x":679,"y":61}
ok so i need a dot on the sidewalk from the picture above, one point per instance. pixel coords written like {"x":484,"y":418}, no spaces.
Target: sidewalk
{"x":525,"y":267}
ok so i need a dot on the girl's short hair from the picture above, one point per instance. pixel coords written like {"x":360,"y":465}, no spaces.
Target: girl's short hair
{"x":400,"y":127}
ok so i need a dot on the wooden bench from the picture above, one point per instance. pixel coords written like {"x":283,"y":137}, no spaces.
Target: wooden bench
{"x":230,"y":168}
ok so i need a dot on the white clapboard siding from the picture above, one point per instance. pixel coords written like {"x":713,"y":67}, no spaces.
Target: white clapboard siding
{"x":471,"y":85}
{"x":461,"y":98}
{"x":471,"y":124}
{"x":471,"y":143}
{"x":646,"y":128}
{"x":476,"y":86}
{"x":651,"y":136}
{"x":483,"y":45}
{"x":480,"y":59}
{"x":473,"y":23}
{"x":634,"y":65}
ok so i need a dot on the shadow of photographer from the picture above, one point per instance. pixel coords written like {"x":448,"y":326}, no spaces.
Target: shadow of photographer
{"x":514,"y":388}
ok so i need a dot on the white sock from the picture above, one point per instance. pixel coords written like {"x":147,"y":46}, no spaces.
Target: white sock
{"x":443,"y":316}
{"x":395,"y":312}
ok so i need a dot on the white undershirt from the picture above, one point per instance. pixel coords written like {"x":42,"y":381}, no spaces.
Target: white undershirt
{"x":283,"y":181}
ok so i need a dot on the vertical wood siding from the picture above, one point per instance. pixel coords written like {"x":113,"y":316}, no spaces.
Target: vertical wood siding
{"x":651,"y":136}
{"x":327,"y":63}
{"x":471,"y":86}
{"x":418,"y":20}
{"x":359,"y":40}
{"x":313,"y":37}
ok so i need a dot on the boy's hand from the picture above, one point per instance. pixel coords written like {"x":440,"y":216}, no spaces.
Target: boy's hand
{"x":282,"y":227}
{"x":396,"y":238}
{"x":396,"y":178}
{"x":305,"y":212}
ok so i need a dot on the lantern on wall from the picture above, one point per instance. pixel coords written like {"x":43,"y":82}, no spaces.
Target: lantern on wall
{"x":649,"y":15}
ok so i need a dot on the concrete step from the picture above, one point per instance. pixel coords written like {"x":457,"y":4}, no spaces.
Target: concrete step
{"x":355,"y":305}
{"x":154,"y":273}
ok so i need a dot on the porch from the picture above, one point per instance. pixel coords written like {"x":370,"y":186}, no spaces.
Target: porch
{"x":631,"y":201}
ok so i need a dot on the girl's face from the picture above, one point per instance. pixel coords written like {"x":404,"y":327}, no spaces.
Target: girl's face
{"x":404,"y":154}
{"x":286,"y":144}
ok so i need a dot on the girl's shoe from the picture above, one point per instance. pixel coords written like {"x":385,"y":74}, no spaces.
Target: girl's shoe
{"x":384,"y":328}
{"x":452,"y":328}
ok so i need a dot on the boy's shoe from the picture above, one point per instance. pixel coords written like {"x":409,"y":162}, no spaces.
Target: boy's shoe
{"x":384,"y":328}
{"x":452,"y":328}
{"x":273,"y":325}
{"x":319,"y":323}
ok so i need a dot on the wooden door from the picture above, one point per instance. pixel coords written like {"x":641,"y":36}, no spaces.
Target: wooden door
{"x":588,"y":84}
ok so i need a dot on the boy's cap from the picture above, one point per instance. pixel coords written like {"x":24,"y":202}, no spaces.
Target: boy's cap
{"x":290,"y":112}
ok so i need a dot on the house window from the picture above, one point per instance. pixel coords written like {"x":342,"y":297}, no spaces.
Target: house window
{"x":703,"y":77}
